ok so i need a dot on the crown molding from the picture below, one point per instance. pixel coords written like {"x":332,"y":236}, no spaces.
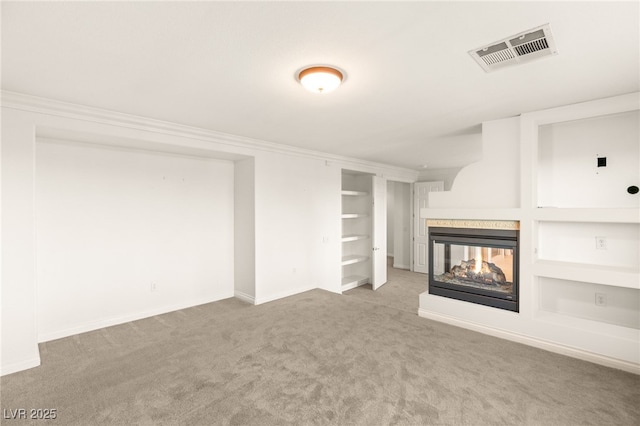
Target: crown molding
{"x":39,"y":105}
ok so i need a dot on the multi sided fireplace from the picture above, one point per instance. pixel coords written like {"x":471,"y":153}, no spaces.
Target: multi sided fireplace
{"x":475,"y":261}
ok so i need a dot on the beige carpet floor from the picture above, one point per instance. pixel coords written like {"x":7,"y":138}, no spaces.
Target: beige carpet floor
{"x":316,"y":358}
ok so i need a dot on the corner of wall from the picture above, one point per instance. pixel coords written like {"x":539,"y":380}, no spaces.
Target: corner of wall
{"x":494,"y":181}
{"x":244,"y":230}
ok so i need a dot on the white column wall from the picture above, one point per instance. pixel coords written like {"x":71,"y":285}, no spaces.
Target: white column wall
{"x":297,"y":226}
{"x":245,"y":230}
{"x":19,"y":334}
{"x":494,"y":181}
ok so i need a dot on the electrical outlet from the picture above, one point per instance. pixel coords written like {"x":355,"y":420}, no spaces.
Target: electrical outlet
{"x":154,"y":286}
{"x":601,"y":299}
{"x":601,"y":243}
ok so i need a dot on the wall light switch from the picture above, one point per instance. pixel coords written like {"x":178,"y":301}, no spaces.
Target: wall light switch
{"x":602,"y":161}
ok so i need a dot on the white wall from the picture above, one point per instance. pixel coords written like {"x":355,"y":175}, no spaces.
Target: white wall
{"x":245,"y":230}
{"x":19,"y":333}
{"x":447,"y":176}
{"x":298,"y":208}
{"x":494,"y":181}
{"x":124,"y":234}
{"x":568,"y":152}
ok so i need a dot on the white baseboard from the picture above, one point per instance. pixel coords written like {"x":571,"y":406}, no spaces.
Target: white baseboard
{"x":244,"y":297}
{"x":261,"y":300}
{"x":19,"y":366}
{"x":108,"y":322}
{"x":538,"y":343}
{"x":400,"y":266}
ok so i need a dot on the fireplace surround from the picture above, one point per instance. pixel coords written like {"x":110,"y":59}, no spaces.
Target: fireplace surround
{"x":475,"y":261}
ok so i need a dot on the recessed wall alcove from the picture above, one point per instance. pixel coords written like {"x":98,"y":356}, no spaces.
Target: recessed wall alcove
{"x":127,"y":228}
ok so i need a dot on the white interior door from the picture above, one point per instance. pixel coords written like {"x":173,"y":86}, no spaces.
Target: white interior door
{"x":421,"y":236}
{"x":379,"y":231}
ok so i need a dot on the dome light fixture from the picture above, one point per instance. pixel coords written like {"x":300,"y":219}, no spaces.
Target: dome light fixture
{"x":320,"y":79}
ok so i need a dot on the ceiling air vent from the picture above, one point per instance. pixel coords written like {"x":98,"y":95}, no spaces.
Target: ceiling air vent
{"x":517,"y":49}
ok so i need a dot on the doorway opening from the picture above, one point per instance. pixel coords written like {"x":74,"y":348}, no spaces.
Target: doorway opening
{"x":399,"y":225}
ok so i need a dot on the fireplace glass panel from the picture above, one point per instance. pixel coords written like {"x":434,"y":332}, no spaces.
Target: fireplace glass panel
{"x":480,"y":267}
{"x":475,"y":265}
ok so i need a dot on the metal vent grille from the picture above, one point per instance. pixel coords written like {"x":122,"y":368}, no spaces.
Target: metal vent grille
{"x":534,"y":46}
{"x":518,"y":49}
{"x":497,"y":57}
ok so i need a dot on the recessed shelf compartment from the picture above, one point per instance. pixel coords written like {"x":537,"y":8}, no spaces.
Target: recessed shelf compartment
{"x":617,"y":276}
{"x":589,"y":163}
{"x":353,"y":237}
{"x":354,"y":193}
{"x":352,"y":259}
{"x":603,"y":248}
{"x":614,"y":305}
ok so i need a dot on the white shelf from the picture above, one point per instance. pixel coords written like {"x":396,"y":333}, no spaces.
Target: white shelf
{"x":617,"y":276}
{"x":612,"y":331}
{"x":470,"y":214}
{"x":354,"y":193}
{"x":350,"y":260}
{"x":353,"y":237}
{"x":596,"y":215}
{"x":353,"y":281}
{"x":353,"y":215}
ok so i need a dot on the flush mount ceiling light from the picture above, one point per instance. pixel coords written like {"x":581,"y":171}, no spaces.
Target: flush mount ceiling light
{"x":320,"y":79}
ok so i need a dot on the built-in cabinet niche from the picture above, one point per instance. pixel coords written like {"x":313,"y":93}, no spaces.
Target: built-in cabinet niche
{"x":587,"y":225}
{"x":356,"y":229}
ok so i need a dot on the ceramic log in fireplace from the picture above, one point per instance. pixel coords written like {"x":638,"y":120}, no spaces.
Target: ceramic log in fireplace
{"x":475,"y":261}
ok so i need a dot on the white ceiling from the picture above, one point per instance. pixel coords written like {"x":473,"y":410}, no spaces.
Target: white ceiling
{"x":412,"y":96}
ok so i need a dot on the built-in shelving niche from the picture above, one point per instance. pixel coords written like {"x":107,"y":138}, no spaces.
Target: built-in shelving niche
{"x":356,"y":229}
{"x":587,"y":226}
{"x":574,"y":303}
